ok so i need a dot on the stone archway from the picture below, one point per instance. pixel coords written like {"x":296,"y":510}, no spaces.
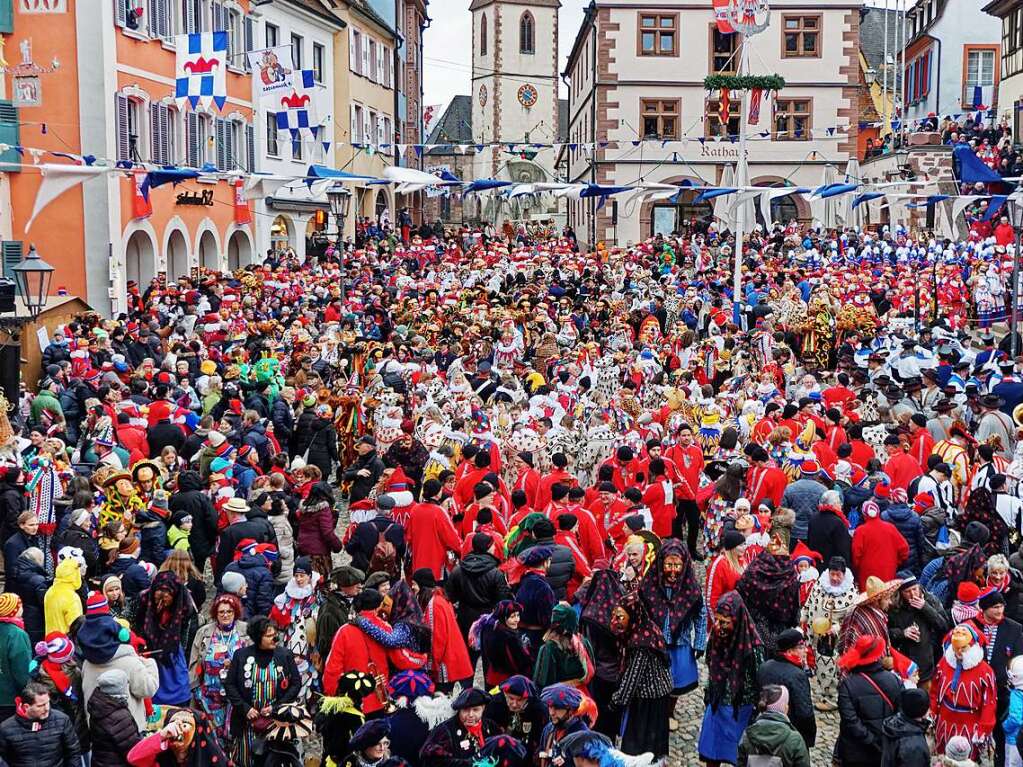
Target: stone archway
{"x":282,"y":233}
{"x":685,"y":207}
{"x":239,"y":251}
{"x":177,"y":256}
{"x":209,"y":253}
{"x":140,"y":259}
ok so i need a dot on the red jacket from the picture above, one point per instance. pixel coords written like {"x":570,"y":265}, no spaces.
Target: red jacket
{"x":721,"y":578}
{"x":543,"y":493}
{"x":659,"y":497}
{"x":878,"y":548}
{"x":582,"y":567}
{"x":529,"y":482}
{"x":902,"y":468}
{"x":354,"y":650}
{"x":765,"y":482}
{"x":133,"y":439}
{"x":449,"y":657}
{"x":689,"y":462}
{"x":923,"y":445}
{"x":430,"y":534}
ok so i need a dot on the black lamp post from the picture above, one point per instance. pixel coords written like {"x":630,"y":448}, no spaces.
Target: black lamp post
{"x":340,"y":199}
{"x":32,"y":278}
{"x":1015,"y":211}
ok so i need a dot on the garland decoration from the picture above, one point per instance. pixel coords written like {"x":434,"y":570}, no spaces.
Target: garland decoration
{"x":717,"y":82}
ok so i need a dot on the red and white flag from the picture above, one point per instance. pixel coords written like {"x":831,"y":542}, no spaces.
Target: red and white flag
{"x":722,"y":16}
{"x":755,"y":97}
{"x":141,"y":206}
{"x":242,"y":214}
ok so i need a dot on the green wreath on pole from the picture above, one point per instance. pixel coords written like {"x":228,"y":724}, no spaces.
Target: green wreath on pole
{"x":743,"y":82}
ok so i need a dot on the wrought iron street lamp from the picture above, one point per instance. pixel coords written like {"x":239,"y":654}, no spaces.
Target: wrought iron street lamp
{"x":32,"y":277}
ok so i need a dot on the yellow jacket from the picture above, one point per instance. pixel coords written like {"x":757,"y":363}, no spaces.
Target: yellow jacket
{"x":62,"y":604}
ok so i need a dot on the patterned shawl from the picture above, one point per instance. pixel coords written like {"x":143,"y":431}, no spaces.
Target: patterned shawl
{"x":980,"y":507}
{"x":770,"y":587}
{"x":162,"y":629}
{"x":728,"y":657}
{"x":686,"y":598}
{"x":604,"y":592}
{"x":960,"y":567}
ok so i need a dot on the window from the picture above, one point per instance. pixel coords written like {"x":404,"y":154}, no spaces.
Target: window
{"x":527,"y":33}
{"x":356,"y":124}
{"x":483,"y":35}
{"x":792,"y":120}
{"x":296,"y":51}
{"x":318,"y":53}
{"x":160,"y":19}
{"x":724,"y":56}
{"x":801,"y":37}
{"x":374,"y":58}
{"x":229,"y":144}
{"x":355,"y":53}
{"x":713,"y":126}
{"x":979,"y":80}
{"x":657,"y":34}
{"x":296,"y":147}
{"x":198,"y":139}
{"x":1012,"y":43}
{"x":272,"y":148}
{"x":387,"y":57}
{"x":273,"y":35}
{"x":660,"y":118}
{"x":192,"y":16}
{"x":918,"y":79}
{"x":159,"y":126}
{"x":132,"y":129}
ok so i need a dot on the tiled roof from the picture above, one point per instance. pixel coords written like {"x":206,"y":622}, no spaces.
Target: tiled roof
{"x":872,"y":36}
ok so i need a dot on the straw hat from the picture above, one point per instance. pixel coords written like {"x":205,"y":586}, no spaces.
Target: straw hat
{"x":877,"y":590}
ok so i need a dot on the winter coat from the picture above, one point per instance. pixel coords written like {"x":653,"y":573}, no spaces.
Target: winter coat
{"x":361,"y":486}
{"x":12,"y":503}
{"x":366,"y":536}
{"x":803,"y":496}
{"x":16,"y":544}
{"x":15,"y":655}
{"x":475,"y":586}
{"x":829,"y":536}
{"x":933,"y":623}
{"x":164,"y":433}
{"x":201,"y":643}
{"x":190,"y":499}
{"x":430,"y":534}
{"x":259,"y":583}
{"x":53,"y":744}
{"x":241,"y":694}
{"x":449,"y":656}
{"x":143,"y":680}
{"x":862,"y":710}
{"x":908,"y":523}
{"x":62,"y":605}
{"x":113,"y":731}
{"x":504,"y":654}
{"x":134,"y":579}
{"x":285,"y":546}
{"x":283,"y":420}
{"x":335,"y":611}
{"x":878,"y":549}
{"x":772,"y":734}
{"x":256,"y":526}
{"x":78,"y":538}
{"x":562,"y":567}
{"x":322,"y":447}
{"x":407,"y":733}
{"x":786,"y":673}
{"x":28,"y":580}
{"x":905,"y":742}
{"x":67,"y":700}
{"x":316,"y":534}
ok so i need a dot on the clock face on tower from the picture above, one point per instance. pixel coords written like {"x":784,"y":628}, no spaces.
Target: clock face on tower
{"x":527,"y":95}
{"x":483,"y":95}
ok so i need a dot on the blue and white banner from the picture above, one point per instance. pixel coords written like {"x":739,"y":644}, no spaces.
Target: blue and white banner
{"x":201,"y":69}
{"x":271,"y":73}
{"x":301,"y":111}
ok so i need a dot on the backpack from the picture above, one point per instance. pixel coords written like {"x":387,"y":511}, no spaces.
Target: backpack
{"x":384,"y":558}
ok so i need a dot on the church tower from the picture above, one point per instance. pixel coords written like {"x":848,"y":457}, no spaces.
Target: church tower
{"x":514,"y":86}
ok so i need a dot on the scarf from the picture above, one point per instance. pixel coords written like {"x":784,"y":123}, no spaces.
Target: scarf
{"x":770,"y":586}
{"x":14,"y":621}
{"x":837,"y":512}
{"x":980,"y":507}
{"x":162,"y":628}
{"x":672,"y":605}
{"x":602,"y":595}
{"x":961,"y":566}
{"x":730,"y":656}
{"x":476,"y":731}
{"x":61,"y":680}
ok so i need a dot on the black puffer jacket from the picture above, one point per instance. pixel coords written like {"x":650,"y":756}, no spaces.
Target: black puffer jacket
{"x":53,"y":745}
{"x":12,"y":503}
{"x":28,"y":580}
{"x":905,"y":743}
{"x":78,"y":538}
{"x":113,"y":729}
{"x":791,"y":676}
{"x":191,"y":499}
{"x":322,"y":447}
{"x":562,"y":566}
{"x":475,"y":586}
{"x":862,"y":710}
{"x":361,"y":486}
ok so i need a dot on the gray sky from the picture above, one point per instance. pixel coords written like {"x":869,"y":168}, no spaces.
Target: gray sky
{"x":447,"y":44}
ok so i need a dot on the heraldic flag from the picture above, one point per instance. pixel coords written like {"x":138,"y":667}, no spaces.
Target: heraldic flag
{"x":201,"y":70}
{"x":299,"y":113}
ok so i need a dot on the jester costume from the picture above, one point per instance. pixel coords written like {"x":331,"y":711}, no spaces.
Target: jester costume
{"x":44,"y":487}
{"x":294,"y":610}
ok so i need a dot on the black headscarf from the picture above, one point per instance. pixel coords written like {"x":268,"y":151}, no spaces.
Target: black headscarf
{"x":730,"y":657}
{"x":686,"y":598}
{"x":604,"y":592}
{"x":163,"y":630}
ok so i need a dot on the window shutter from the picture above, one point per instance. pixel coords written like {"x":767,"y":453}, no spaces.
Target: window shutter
{"x":367,"y":127}
{"x":221,"y":145}
{"x":10,"y":134}
{"x":188,"y":19}
{"x":353,"y":55}
{"x":380,"y":131}
{"x":249,"y":36}
{"x":155,"y":143}
{"x":6,"y":16}
{"x":166,"y":128}
{"x":365,"y":57}
{"x":123,"y":147}
{"x":120,"y":12}
{"x":353,"y":133}
{"x":380,"y":65}
{"x":192,"y":139}
{"x":12,"y":250}
{"x":250,"y":148}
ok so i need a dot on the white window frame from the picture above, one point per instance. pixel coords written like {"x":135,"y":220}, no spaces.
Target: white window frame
{"x":984,"y":75}
{"x":234,"y":17}
{"x":272,"y":139}
{"x":318,"y":71}
{"x":266,"y":35}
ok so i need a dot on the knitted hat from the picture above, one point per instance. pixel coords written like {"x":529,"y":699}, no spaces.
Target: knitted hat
{"x":99,"y":638}
{"x":96,"y":604}
{"x":922,"y":502}
{"x":232,"y":582}
{"x":55,"y":647}
{"x":965,"y":606}
{"x":732,"y":539}
{"x":958,"y":748}
{"x":9,"y":605}
{"x":425,"y":578}
{"x":914,"y":703}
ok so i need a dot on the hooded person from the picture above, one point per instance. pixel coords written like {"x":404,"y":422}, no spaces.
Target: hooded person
{"x":564,"y":656}
{"x":527,"y":576}
{"x":772,"y":736}
{"x":867,"y":695}
{"x":905,"y":734}
{"x":456,"y":742}
{"x":597,"y":603}
{"x":293,"y":609}
{"x":878,"y":548}
{"x":517,"y":710}
{"x":734,"y":653}
{"x":496,"y":637}
{"x":477,"y":584}
{"x":112,"y":729}
{"x":769,"y":587}
{"x":964,"y":694}
{"x":105,"y":644}
{"x":62,"y":605}
{"x":163,"y":620}
{"x":830,"y":600}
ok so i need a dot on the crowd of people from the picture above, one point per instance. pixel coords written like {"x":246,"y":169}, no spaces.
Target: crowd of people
{"x":485,"y":500}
